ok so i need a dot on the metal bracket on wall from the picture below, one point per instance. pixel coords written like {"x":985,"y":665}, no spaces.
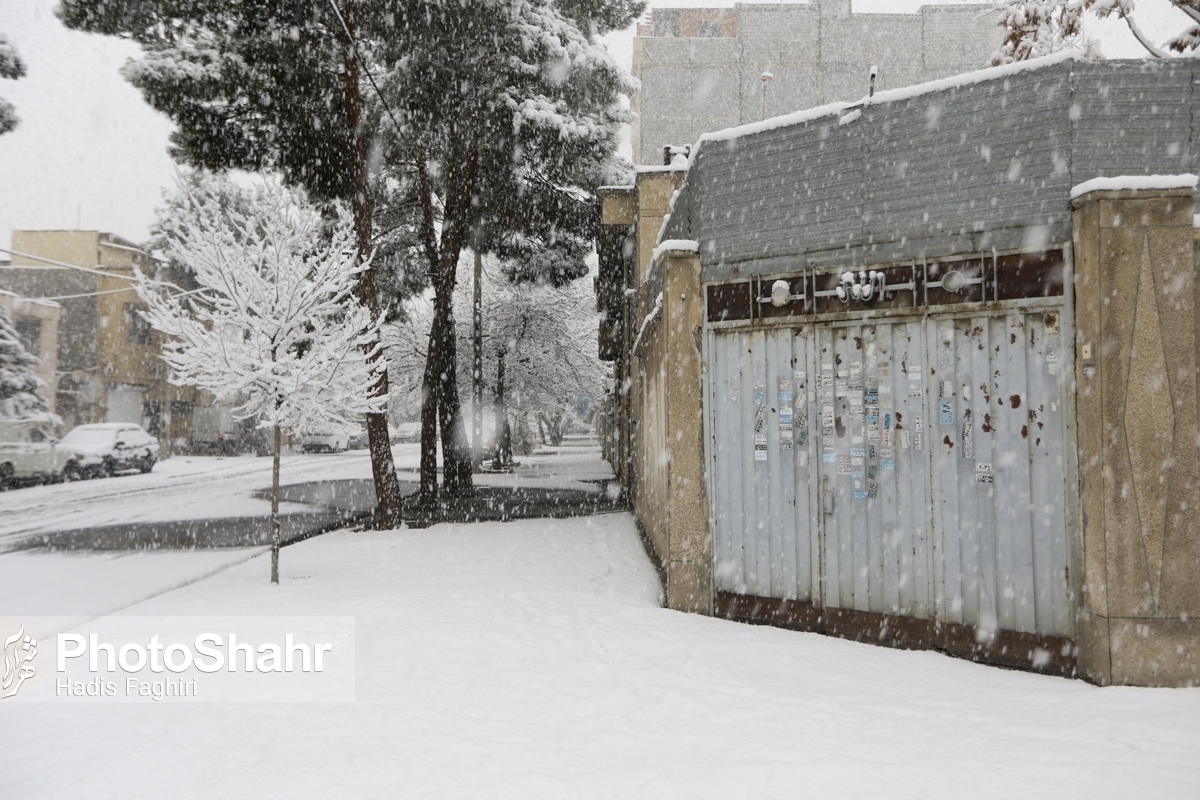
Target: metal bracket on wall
{"x":865,"y":287}
{"x":781,"y":293}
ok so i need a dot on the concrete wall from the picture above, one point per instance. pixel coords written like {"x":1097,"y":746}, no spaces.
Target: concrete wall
{"x":671,"y":497}
{"x":817,"y":53}
{"x":1139,"y":538}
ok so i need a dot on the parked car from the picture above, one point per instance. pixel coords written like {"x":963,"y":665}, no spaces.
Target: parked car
{"x":28,"y":454}
{"x":359,"y":440}
{"x":108,"y":447}
{"x":325,"y":442}
{"x":406,"y":432}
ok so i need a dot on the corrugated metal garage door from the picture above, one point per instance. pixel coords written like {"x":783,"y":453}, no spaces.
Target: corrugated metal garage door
{"x":910,"y":467}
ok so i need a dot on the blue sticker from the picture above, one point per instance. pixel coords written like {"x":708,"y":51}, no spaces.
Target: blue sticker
{"x":945,"y":413}
{"x":785,"y":398}
{"x":888,"y":463}
{"x":860,"y":495}
{"x":887,"y":422}
{"x":828,"y":458}
{"x":858,"y":452}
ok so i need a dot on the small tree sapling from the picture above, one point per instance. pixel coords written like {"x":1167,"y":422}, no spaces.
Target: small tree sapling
{"x":276,"y":323}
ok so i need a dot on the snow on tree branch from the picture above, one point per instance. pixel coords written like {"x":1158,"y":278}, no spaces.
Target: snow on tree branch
{"x":1036,"y":28}
{"x":11,"y":67}
{"x":275,"y":323}
{"x":19,"y":386}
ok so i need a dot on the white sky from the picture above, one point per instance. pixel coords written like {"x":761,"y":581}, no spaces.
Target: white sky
{"x":90,"y":151}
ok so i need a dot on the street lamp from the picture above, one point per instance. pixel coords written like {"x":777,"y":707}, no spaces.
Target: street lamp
{"x":766,"y":78}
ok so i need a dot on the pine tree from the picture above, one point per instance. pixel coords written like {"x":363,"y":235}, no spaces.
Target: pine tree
{"x":499,"y":121}
{"x":267,"y":86}
{"x":11,"y":67}
{"x":19,"y":386}
{"x":275,"y":324}
{"x":1036,"y":28}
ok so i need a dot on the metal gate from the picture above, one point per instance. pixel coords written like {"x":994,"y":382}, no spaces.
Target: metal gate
{"x":913,"y":466}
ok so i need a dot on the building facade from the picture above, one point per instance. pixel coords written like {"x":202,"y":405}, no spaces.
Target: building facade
{"x":902,"y":371}
{"x":706,"y":69}
{"x":107,"y":366}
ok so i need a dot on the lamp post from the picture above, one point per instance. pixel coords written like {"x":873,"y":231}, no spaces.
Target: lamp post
{"x":766,"y":78}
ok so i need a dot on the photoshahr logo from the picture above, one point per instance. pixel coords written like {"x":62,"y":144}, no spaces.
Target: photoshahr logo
{"x":21,"y":657}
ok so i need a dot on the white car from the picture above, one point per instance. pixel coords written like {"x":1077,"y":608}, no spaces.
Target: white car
{"x":406,"y":432}
{"x":324,"y":442}
{"x":104,"y":448}
{"x":28,"y":454}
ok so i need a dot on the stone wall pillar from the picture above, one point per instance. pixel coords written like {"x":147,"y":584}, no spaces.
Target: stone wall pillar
{"x":689,"y":557}
{"x":1136,"y":298}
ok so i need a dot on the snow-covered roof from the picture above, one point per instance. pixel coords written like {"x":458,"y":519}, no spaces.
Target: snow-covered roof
{"x":887,"y":96}
{"x":1134,"y":183}
{"x":684,"y":245}
{"x":955,"y":170}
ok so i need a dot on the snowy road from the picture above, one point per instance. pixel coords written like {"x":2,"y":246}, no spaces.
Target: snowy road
{"x":532,"y":660}
{"x":200,"y":488}
{"x":180,"y":488}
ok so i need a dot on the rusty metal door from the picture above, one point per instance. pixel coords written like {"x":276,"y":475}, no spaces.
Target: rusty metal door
{"x":997,"y":412}
{"x":878,"y":545}
{"x":761,"y":454}
{"x":913,"y":466}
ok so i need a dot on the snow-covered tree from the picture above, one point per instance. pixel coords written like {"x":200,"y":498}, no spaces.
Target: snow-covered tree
{"x":11,"y":67}
{"x":275,"y":324}
{"x":545,"y":335}
{"x":498,"y":120}
{"x":1036,"y":28}
{"x":19,"y":386}
{"x":191,"y":184}
{"x":270,"y":86}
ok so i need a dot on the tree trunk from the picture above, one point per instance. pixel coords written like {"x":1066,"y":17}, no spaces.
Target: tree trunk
{"x":275,"y":508}
{"x":503,"y":441}
{"x":477,"y":366}
{"x":430,"y":391}
{"x":383,"y":468}
{"x":456,"y":453}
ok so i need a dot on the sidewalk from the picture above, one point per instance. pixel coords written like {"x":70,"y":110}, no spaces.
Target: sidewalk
{"x":532,"y":659}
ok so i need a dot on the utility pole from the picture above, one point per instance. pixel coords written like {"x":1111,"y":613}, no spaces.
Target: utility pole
{"x":766,"y":78}
{"x":477,"y":367}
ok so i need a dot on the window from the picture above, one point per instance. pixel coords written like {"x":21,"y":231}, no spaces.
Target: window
{"x":666,"y":23}
{"x":29,"y":331}
{"x":137,"y":327}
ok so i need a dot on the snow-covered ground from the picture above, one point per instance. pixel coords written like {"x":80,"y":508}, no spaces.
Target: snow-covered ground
{"x":532,"y":659}
{"x":206,"y":487}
